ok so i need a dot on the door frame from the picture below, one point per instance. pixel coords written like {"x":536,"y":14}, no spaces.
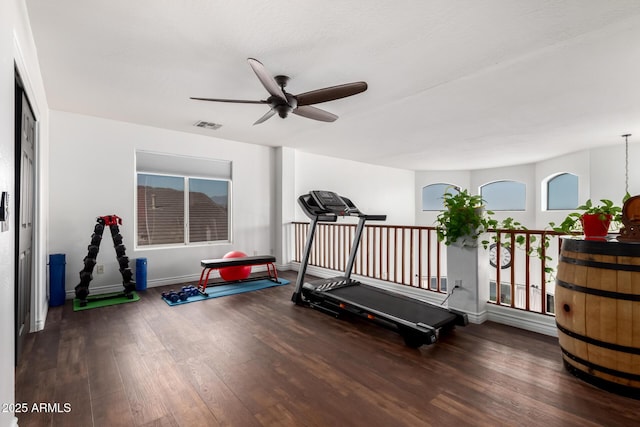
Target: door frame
{"x":21,"y":104}
{"x":39,"y":293}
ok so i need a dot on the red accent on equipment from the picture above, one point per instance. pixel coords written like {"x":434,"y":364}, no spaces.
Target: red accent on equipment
{"x":111,"y":220}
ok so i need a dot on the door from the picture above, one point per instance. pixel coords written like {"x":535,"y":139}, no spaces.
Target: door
{"x":25,"y":132}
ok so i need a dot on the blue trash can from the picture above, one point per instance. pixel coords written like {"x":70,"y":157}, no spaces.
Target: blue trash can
{"x":57,"y":292}
{"x":141,"y":274}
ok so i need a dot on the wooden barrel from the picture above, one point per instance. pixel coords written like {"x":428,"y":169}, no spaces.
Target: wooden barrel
{"x":597,"y":305}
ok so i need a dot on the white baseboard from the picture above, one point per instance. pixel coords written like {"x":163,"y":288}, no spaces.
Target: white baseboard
{"x":284,"y":267}
{"x":476,"y":318}
{"x":40,"y":321}
{"x":522,"y":319}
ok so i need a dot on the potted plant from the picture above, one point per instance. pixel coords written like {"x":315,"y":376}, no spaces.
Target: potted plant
{"x":463,"y":219}
{"x":592,"y":219}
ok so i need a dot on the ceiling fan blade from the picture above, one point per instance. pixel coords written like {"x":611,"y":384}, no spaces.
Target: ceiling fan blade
{"x":238,"y":101}
{"x":315,"y":114}
{"x":331,"y":93}
{"x":264,"y":118}
{"x":265,"y":78}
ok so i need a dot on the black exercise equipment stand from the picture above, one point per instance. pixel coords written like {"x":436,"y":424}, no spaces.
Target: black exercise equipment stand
{"x":82,"y":290}
{"x":418,"y":322}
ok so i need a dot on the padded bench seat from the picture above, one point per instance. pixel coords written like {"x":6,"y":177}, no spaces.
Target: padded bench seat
{"x":214,"y":264}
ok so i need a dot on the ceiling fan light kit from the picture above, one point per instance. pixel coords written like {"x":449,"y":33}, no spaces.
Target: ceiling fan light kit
{"x":283,"y":103}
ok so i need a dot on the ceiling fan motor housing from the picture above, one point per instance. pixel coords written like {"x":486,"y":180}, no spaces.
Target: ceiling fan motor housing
{"x":282,"y":107}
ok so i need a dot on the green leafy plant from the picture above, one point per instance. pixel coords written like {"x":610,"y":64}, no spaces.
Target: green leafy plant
{"x":463,"y":219}
{"x":572,"y":223}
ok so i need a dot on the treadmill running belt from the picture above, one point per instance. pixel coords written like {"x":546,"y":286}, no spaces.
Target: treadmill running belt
{"x":394,"y":304}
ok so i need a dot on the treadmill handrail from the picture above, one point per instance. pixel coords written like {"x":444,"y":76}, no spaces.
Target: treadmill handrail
{"x":374,"y":217}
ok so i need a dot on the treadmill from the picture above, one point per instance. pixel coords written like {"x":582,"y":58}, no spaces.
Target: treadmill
{"x":418,"y":322}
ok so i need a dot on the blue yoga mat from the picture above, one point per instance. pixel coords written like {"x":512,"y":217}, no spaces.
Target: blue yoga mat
{"x":216,"y":291}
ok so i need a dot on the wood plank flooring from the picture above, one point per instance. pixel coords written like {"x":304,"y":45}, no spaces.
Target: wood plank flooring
{"x":256,"y":359}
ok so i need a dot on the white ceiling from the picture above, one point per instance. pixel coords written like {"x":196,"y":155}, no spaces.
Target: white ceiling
{"x":463,"y":84}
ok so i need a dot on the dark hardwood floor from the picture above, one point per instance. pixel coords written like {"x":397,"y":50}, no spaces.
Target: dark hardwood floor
{"x":256,"y":359}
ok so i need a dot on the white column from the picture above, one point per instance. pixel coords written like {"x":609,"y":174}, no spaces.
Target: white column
{"x":285,"y":204}
{"x":467,"y":267}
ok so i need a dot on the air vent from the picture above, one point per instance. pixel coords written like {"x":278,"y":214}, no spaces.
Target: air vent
{"x":207,"y":125}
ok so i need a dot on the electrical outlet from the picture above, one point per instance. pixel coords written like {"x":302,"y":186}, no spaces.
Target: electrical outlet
{"x":100,"y":269}
{"x":458,"y":283}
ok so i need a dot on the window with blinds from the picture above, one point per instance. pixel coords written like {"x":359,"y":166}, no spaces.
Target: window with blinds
{"x":182,"y":209}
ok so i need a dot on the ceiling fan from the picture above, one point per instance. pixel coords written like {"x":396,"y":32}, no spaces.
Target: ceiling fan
{"x":283,"y":103}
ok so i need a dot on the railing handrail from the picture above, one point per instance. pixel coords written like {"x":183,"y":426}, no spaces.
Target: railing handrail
{"x":432,"y":227}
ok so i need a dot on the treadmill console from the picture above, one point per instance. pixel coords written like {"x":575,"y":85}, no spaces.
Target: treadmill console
{"x":329,"y":201}
{"x":327,"y":206}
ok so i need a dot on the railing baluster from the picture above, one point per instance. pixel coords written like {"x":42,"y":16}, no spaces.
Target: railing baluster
{"x":325,"y":256}
{"x":512,"y":243}
{"x":543,"y":275}
{"x":374,"y":253}
{"x":402,"y":251}
{"x":438,"y":267}
{"x":498,"y":269}
{"x":419,"y":258}
{"x":527,"y":280}
{"x":411,"y":252}
{"x":397,"y":248}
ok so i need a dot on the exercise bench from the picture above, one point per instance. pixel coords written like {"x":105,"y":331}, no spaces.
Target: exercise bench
{"x":215,"y":264}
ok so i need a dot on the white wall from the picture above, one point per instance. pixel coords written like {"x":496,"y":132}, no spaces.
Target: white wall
{"x":17,"y":50}
{"x":284,"y":204}
{"x":600,"y":171}
{"x":7,"y":276}
{"x":93,"y":174}
{"x":574,"y":163}
{"x":521,"y":173}
{"x":373,"y":189}
{"x":607,"y":170}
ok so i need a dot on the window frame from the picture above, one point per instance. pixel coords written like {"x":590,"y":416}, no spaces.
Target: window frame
{"x":186,"y":243}
{"x":447,"y":185}
{"x":514,"y":209}
{"x":546,"y":192}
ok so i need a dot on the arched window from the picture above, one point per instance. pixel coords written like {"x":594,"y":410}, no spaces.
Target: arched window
{"x":562,"y":192}
{"x":432,"y":195}
{"x":504,"y":196}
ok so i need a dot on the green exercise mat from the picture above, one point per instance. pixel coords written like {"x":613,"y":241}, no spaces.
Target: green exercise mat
{"x":104,"y":300}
